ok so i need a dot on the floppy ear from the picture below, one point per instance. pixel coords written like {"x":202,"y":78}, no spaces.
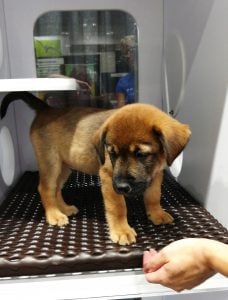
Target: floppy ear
{"x":173,"y":136}
{"x":99,"y":143}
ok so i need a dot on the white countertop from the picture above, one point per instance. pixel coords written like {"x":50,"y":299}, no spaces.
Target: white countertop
{"x":97,"y":285}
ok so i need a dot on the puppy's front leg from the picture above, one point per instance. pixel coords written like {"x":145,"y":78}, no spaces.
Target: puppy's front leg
{"x":152,"y":198}
{"x":116,"y":211}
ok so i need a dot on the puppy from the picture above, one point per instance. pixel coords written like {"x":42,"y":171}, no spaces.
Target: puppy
{"x":128,"y":147}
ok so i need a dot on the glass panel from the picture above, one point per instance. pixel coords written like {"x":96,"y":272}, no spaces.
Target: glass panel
{"x":97,"y":48}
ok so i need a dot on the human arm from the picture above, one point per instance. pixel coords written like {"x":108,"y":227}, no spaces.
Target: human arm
{"x":120,"y":97}
{"x":120,"y":92}
{"x":186,"y":263}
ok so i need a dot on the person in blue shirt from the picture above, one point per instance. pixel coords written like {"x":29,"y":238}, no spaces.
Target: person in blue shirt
{"x":125,"y":88}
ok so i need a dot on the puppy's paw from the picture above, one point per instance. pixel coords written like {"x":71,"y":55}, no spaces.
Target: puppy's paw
{"x":123,"y":235}
{"x":160,"y":217}
{"x":69,"y":210}
{"x":56,"y":217}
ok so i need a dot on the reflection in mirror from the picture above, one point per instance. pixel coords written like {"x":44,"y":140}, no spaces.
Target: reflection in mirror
{"x":97,"y":48}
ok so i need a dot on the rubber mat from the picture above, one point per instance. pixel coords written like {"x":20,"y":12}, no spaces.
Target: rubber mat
{"x":28,"y":246}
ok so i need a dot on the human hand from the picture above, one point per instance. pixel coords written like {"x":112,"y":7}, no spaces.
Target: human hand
{"x":181,"y":265}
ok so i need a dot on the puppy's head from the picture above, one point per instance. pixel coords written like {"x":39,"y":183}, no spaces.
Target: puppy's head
{"x":137,"y":142}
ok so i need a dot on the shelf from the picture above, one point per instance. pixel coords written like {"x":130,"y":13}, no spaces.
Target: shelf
{"x":38,"y":84}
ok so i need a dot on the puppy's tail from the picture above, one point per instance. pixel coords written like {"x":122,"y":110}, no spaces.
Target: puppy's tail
{"x":32,"y":101}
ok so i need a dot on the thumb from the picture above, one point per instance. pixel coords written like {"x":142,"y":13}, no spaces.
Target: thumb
{"x":147,"y":255}
{"x":155,"y":262}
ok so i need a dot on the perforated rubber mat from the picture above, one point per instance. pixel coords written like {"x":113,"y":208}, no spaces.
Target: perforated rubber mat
{"x":28,"y":246}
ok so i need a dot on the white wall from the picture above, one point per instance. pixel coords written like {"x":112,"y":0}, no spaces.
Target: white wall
{"x":9,"y":121}
{"x":204,"y":105}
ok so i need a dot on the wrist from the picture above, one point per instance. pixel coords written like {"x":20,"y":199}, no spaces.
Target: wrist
{"x":216,"y":256}
{"x":210,"y":254}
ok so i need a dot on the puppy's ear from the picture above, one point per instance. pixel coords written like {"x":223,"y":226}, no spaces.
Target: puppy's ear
{"x":99,"y":143}
{"x":173,"y":136}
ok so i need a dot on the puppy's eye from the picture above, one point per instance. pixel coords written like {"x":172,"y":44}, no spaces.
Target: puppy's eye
{"x":141,"y":155}
{"x":112,"y":155}
{"x":111,"y":152}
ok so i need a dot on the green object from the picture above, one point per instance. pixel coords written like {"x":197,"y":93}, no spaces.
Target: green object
{"x":47,"y":46}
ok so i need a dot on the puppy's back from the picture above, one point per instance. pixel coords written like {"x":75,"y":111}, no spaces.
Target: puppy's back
{"x":68,"y":134}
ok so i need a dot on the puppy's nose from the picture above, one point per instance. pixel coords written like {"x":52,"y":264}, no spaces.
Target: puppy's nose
{"x":123,"y":187}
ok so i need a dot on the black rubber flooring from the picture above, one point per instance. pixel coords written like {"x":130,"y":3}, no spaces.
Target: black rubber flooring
{"x":28,"y":246}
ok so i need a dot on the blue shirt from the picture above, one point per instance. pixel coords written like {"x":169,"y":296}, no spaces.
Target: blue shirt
{"x":126,"y":85}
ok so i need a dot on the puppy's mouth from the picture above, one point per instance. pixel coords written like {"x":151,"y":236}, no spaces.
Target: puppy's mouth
{"x":129,"y":189}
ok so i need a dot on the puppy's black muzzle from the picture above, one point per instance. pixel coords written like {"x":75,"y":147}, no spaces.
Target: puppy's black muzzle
{"x":129,"y":187}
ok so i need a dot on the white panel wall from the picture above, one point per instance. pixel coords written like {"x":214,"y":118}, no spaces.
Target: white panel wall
{"x":205,"y":102}
{"x":20,"y":18}
{"x":4,"y":63}
{"x":9,"y":121}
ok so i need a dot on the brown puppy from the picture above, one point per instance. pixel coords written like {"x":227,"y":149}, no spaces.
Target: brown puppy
{"x":128,"y":147}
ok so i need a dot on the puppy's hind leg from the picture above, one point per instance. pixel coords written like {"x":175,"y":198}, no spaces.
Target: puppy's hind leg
{"x":68,"y":210}
{"x":48,"y":186}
